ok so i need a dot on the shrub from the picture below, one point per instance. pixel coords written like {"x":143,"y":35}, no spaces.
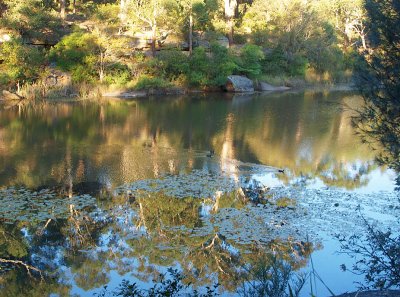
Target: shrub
{"x":221,"y":65}
{"x":89,"y":58}
{"x":198,"y":67}
{"x":21,"y":63}
{"x":107,"y":13}
{"x":174,"y":63}
{"x":280,"y":63}
{"x":117,"y":74}
{"x":148,"y":82}
{"x":250,"y":60}
{"x":72,"y":50}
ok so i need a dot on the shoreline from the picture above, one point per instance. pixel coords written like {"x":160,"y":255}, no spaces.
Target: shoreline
{"x":151,"y":92}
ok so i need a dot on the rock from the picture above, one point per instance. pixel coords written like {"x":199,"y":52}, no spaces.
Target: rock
{"x":223,"y":41}
{"x":203,"y":43}
{"x":6,"y":95}
{"x":237,"y":83}
{"x":263,"y":86}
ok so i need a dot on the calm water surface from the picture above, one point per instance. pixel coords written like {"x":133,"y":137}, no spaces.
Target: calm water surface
{"x":93,"y":193}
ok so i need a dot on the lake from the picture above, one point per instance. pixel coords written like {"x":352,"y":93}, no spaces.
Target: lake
{"x":217,"y":186}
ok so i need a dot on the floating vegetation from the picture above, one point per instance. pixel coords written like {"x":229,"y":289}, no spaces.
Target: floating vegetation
{"x":20,"y":204}
{"x":285,"y":202}
{"x":196,"y":184}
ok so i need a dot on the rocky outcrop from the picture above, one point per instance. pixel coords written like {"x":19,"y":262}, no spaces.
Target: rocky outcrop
{"x":239,"y":84}
{"x":6,"y":95}
{"x":263,"y":87}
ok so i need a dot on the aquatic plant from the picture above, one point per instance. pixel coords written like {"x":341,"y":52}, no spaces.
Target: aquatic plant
{"x":20,"y":204}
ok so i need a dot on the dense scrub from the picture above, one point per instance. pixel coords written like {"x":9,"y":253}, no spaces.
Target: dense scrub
{"x":161,"y":43}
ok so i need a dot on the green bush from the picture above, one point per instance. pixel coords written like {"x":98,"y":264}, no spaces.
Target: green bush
{"x":21,"y":63}
{"x":83,"y":54}
{"x":117,"y":74}
{"x":222,"y":65}
{"x":174,"y":63}
{"x":107,"y":13}
{"x":278,"y":63}
{"x":73,"y":49}
{"x":250,"y":60}
{"x":198,"y":67}
{"x":147,"y":82}
{"x":210,"y":70}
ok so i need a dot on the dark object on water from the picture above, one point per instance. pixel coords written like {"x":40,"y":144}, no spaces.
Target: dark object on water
{"x":281,"y":170}
{"x":211,"y":154}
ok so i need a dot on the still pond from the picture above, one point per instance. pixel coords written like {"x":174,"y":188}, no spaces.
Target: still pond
{"x":92,"y":194}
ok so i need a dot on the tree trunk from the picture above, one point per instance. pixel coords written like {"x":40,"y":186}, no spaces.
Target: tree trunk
{"x":153,"y":39}
{"x":230,"y":8}
{"x":190,"y":33}
{"x":122,"y":11}
{"x":74,"y":6}
{"x":62,"y":9}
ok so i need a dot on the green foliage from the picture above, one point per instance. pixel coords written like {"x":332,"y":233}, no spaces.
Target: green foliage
{"x":250,"y":60}
{"x":77,"y":53}
{"x":210,"y":70}
{"x":198,"y":67}
{"x":73,"y":49}
{"x":174,"y":63}
{"x":88,"y":58}
{"x":32,"y":20}
{"x":277,"y":63}
{"x":297,"y":35}
{"x":221,"y":65}
{"x":117,"y":74}
{"x":21,"y":63}
{"x":148,"y":82}
{"x":107,"y":13}
{"x":378,"y":80}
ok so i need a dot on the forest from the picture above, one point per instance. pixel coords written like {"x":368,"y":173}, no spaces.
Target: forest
{"x":58,"y":48}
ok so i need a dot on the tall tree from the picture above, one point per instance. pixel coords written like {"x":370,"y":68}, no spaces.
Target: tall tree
{"x":379,"y":80}
{"x":146,"y":13}
{"x":230,"y":9}
{"x":62,"y":8}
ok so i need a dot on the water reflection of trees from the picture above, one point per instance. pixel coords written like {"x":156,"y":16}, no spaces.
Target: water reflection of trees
{"x":116,"y":142}
{"x":65,"y":146}
{"x":139,"y":236}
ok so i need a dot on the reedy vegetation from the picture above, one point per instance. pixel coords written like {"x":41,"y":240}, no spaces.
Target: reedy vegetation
{"x":95,"y":41}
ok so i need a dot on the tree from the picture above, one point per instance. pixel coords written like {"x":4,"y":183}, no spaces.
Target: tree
{"x":230,"y":9}
{"x":33,"y":21}
{"x":378,"y":78}
{"x":21,"y":63}
{"x":62,"y":8}
{"x":146,"y":13}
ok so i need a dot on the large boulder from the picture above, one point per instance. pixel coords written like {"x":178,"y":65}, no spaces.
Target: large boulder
{"x":239,"y":84}
{"x":263,"y":86}
{"x":7,"y":95}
